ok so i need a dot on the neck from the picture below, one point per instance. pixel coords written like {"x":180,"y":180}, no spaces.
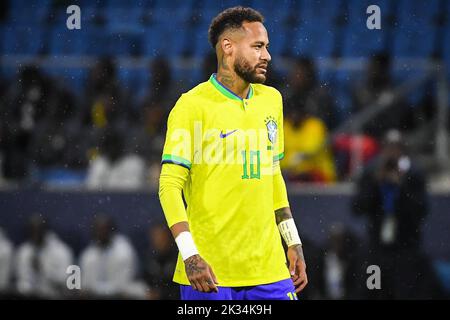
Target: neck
{"x":232,"y":81}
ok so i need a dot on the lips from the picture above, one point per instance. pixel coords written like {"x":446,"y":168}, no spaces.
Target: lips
{"x":262,"y":67}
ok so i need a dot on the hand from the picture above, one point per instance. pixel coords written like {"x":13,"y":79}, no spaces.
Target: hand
{"x":200,"y":274}
{"x":297,"y":267}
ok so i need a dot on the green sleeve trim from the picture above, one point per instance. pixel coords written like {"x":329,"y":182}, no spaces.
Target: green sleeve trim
{"x":168,"y":158}
{"x":278,"y":157}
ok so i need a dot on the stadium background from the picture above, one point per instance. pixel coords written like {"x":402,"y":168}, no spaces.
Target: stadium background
{"x":107,"y":88}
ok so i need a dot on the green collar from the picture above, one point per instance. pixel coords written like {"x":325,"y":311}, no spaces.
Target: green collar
{"x":227,"y":92}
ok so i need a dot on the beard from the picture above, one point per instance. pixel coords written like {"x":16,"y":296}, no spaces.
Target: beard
{"x":248,"y":73}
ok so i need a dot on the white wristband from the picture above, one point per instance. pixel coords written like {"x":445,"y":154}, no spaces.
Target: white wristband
{"x":186,"y":245}
{"x":289,"y":232}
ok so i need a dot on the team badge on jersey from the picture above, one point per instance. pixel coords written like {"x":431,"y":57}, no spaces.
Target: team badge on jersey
{"x":271,"y":129}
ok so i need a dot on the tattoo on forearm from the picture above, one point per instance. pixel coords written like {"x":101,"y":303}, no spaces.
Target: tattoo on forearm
{"x":192,"y":265}
{"x":282,"y":214}
{"x":299,"y":250}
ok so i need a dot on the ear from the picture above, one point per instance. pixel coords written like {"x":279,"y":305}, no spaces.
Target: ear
{"x":227,"y":46}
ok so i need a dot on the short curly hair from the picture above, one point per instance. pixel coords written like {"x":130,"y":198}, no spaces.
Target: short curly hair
{"x":231,"y":18}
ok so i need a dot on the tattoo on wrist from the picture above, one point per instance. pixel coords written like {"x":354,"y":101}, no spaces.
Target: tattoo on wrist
{"x":192,"y":265}
{"x":282,"y":214}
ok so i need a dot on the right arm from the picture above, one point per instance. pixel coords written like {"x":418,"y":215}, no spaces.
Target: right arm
{"x":171,"y":183}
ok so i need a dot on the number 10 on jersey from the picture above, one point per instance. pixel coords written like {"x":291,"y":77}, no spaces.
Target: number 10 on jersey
{"x":255,"y":165}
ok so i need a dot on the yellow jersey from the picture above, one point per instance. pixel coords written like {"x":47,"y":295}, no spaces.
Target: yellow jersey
{"x":231,"y":146}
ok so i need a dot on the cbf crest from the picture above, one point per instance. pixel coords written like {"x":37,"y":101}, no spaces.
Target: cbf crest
{"x":272,"y":129}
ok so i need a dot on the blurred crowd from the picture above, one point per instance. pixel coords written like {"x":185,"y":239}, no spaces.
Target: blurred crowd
{"x":110,"y":267}
{"x":392,"y":199}
{"x":109,"y":137}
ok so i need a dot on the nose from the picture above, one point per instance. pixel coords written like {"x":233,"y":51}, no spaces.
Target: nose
{"x":266,"y":55}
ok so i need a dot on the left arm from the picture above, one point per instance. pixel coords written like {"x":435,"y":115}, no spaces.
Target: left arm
{"x":283,"y":215}
{"x":288,"y":230}
{"x":297,"y":265}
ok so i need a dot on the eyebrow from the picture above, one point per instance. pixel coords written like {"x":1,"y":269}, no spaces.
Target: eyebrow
{"x":261,"y":42}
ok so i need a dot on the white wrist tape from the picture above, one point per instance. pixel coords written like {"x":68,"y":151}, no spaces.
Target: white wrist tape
{"x":186,"y":245}
{"x":289,"y":232}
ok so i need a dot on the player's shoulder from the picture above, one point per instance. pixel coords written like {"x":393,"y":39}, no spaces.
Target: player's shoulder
{"x":265,"y":90}
{"x":193,"y":97}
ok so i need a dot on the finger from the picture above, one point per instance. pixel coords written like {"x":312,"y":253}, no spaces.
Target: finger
{"x":211,"y":285}
{"x":302,"y":284}
{"x":292,"y":265}
{"x":298,"y":281}
{"x":193,"y":284}
{"x":301,"y":287}
{"x":204,"y":286}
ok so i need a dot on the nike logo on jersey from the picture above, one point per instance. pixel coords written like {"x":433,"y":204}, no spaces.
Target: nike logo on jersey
{"x":224,"y":135}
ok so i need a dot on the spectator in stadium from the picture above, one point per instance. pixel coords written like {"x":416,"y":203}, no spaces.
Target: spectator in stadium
{"x":104,"y":105}
{"x":160,"y":263}
{"x":109,"y":264}
{"x":52,"y":139}
{"x":115,"y":167}
{"x":392,"y":195}
{"x":149,"y":134}
{"x":378,"y":88}
{"x":6,"y":263}
{"x":339,"y":266}
{"x":307,"y":157}
{"x":41,"y":262}
{"x":304,"y":92}
{"x":24,"y":106}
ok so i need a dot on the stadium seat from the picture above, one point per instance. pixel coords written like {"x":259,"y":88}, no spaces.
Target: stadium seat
{"x":128,"y":43}
{"x":446,"y":48}
{"x":23,"y":40}
{"x":134,"y":80}
{"x":319,"y":12}
{"x":407,"y":38}
{"x":311,"y":40}
{"x":68,"y":42}
{"x":416,"y":23}
{"x":357,"y":39}
{"x":120,"y":19}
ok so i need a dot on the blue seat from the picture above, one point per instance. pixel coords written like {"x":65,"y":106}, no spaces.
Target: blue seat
{"x":134,"y":80}
{"x":199,"y":41}
{"x":28,"y":15}
{"x":356,"y":11}
{"x":269,"y":8}
{"x":23,"y":40}
{"x":319,"y":12}
{"x":153,"y":43}
{"x":362,"y":42}
{"x":344,"y":82}
{"x":446,"y":49}
{"x":128,"y":43}
{"x":160,"y":40}
{"x":121,"y":19}
{"x":414,"y":41}
{"x":415,"y":25}
{"x":418,"y":12}
{"x":68,"y":42}
{"x":312,"y":40}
